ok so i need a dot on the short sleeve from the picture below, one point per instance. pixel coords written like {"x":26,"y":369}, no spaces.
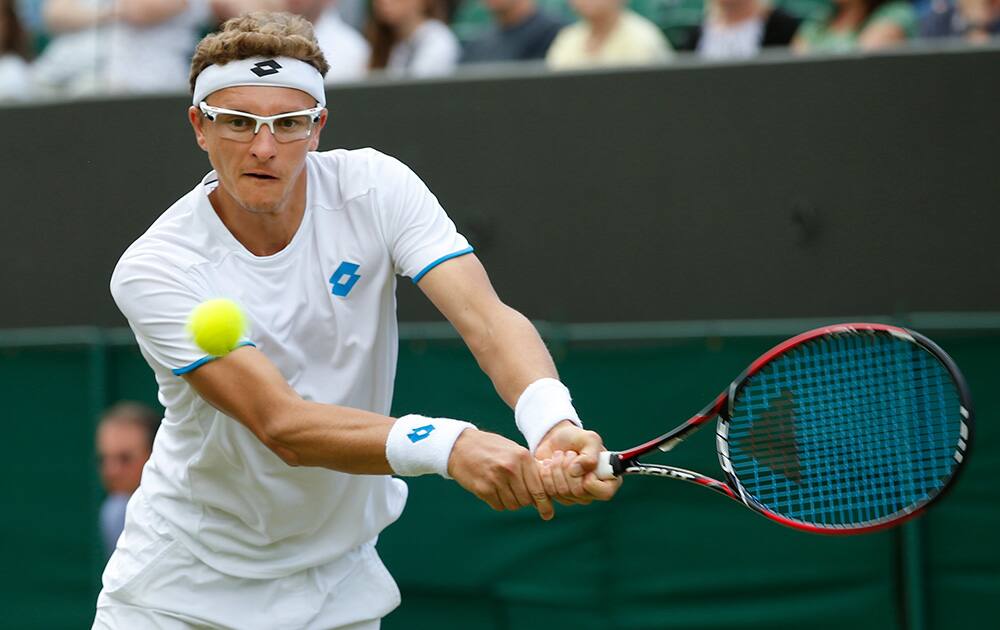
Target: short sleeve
{"x":416,"y":229}
{"x":157,"y":298}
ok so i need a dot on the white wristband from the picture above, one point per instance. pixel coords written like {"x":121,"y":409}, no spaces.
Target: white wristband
{"x":543,"y":404}
{"x":418,"y":445}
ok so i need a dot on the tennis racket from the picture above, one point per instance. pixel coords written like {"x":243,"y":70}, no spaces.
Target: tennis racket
{"x":843,"y":429}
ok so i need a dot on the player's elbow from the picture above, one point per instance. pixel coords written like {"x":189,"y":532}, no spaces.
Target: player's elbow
{"x":287,"y":455}
{"x":278,"y":433}
{"x":489,"y":333}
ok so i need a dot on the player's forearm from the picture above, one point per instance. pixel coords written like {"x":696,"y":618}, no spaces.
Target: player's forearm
{"x":510,"y":351}
{"x":349,"y":440}
{"x":245,"y":386}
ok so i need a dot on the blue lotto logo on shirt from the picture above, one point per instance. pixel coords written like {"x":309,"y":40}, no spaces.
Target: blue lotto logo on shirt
{"x":344,"y":278}
{"x":420,"y":433}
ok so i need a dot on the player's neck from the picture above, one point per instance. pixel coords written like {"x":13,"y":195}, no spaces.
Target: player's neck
{"x":262,"y":233}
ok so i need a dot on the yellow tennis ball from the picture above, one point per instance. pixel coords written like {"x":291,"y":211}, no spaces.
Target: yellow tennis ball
{"x":217,"y":326}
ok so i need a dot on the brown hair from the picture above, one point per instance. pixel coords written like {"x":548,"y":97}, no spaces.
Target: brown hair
{"x":383,"y":37}
{"x":13,"y":39}
{"x":259,"y":34}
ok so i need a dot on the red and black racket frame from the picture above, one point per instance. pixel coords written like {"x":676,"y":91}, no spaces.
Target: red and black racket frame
{"x":627,"y":462}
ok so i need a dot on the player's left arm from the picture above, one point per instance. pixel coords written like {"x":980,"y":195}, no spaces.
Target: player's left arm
{"x":510,"y":351}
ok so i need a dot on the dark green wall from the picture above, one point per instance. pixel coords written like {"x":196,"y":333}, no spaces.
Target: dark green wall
{"x":661,"y":555}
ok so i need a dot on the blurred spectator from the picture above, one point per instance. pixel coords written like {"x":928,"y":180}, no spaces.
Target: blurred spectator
{"x":409,"y":37}
{"x":608,"y":35}
{"x":354,"y":13}
{"x":30,"y":14}
{"x":975,"y":20}
{"x":521,"y":32}
{"x":72,"y":62}
{"x":345,"y":49}
{"x":124,"y":442}
{"x":119,"y":45}
{"x":738,"y":29}
{"x":858,"y":25}
{"x":14,"y":84}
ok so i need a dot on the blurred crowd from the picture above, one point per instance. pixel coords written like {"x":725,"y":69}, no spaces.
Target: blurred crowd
{"x":69,"y":48}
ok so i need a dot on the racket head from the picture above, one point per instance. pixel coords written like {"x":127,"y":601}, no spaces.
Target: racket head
{"x":846,"y":429}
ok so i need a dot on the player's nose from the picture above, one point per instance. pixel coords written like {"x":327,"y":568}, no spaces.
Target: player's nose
{"x":264,"y":146}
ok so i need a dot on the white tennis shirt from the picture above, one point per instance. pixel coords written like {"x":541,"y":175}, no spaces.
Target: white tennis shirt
{"x":323,"y":310}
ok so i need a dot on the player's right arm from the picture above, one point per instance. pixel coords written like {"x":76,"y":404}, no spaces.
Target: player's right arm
{"x":156,"y":297}
{"x":246,"y":386}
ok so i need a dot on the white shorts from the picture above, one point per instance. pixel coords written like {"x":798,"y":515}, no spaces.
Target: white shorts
{"x":153,"y":581}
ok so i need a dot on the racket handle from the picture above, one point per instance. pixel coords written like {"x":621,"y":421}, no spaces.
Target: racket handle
{"x":609,"y":465}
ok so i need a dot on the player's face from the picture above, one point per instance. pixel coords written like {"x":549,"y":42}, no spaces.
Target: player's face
{"x":122,"y":450}
{"x":261,"y":175}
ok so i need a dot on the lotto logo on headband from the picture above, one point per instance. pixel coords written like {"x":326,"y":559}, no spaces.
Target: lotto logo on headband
{"x":266,"y":68}
{"x":270,"y":71}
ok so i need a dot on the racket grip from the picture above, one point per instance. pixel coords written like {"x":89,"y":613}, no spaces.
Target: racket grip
{"x":608,"y":465}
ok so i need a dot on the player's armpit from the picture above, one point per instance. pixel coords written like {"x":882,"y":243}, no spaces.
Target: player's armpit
{"x":246,"y":386}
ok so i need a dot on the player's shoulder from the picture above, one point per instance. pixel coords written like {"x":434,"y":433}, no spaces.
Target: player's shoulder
{"x":172,"y":244}
{"x":343,"y":175}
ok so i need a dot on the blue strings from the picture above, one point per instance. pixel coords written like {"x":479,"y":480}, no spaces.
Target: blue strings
{"x":847,"y":429}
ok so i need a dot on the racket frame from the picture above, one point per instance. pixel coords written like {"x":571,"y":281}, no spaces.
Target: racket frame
{"x":627,"y":462}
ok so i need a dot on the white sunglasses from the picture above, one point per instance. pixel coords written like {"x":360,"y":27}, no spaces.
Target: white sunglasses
{"x":244,"y":126}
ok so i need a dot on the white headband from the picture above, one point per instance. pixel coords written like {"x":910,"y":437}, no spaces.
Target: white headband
{"x":277,"y":72}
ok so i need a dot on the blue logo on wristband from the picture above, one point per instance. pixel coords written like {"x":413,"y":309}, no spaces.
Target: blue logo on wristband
{"x":420,"y":433}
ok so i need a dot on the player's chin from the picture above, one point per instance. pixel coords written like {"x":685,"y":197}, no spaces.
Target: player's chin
{"x":261,"y":202}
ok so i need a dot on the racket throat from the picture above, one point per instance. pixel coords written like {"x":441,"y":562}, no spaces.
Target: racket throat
{"x":682,"y":474}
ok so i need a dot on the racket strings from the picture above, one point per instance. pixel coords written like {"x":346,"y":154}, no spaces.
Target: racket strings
{"x":846,"y":429}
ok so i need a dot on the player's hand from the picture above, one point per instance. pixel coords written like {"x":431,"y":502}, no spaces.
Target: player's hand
{"x":500,"y":472}
{"x":568,"y":464}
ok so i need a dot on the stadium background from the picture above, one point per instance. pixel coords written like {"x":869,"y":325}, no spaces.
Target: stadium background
{"x":665,"y":226}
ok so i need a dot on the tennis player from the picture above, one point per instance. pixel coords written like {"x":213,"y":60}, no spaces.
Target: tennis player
{"x":271,"y":476}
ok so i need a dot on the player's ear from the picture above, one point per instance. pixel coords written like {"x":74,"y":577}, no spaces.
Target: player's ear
{"x":314,"y":136}
{"x":196,"y":120}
